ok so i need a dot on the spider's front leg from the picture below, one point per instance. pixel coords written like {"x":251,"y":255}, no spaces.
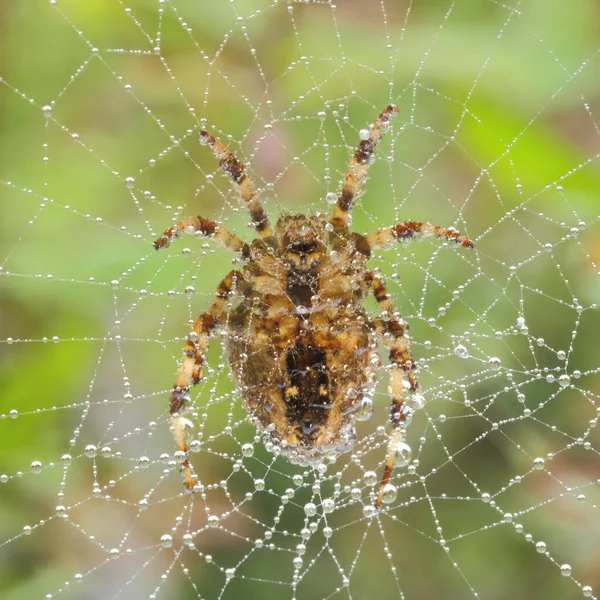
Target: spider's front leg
{"x":207,"y":229}
{"x":190,"y":372}
{"x":402,"y":363}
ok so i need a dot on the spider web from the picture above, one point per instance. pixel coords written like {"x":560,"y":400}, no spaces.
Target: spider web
{"x":498,"y":136}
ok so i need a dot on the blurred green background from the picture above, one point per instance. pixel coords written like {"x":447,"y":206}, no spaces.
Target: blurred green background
{"x":498,"y":135}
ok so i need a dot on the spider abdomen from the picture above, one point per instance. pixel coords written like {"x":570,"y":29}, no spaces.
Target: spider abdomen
{"x":304,"y":396}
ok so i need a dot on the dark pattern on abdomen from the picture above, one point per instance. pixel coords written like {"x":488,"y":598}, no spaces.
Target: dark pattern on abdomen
{"x":308,"y":409}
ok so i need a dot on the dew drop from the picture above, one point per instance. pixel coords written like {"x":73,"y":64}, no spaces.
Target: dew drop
{"x":565,"y":570}
{"x":369,"y":511}
{"x":166,"y":541}
{"x":331,"y":198}
{"x":418,"y":401}
{"x":564,"y":380}
{"x":540,"y":547}
{"x":328,"y":505}
{"x":310,"y":509}
{"x":90,"y":451}
{"x":213,"y":521}
{"x":370,"y":477}
{"x":365,"y":410}
{"x":389,"y":493}
{"x":47,"y":111}
{"x":538,"y":463}
{"x":247,"y":449}
{"x":402,"y":454}
{"x":495,"y":362}
{"x":461,"y":351}
{"x":129,"y":182}
{"x":259,"y":484}
{"x":36,"y":466}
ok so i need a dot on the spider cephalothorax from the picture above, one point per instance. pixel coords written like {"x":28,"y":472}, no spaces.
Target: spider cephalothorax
{"x":303,"y":350}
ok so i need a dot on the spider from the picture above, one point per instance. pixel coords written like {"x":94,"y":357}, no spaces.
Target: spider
{"x":302,"y":349}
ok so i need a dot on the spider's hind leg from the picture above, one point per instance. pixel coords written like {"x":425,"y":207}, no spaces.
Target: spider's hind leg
{"x":356,"y":177}
{"x":402,"y":364}
{"x":190,"y":372}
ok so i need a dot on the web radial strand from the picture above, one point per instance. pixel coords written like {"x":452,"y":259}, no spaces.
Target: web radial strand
{"x":492,"y":446}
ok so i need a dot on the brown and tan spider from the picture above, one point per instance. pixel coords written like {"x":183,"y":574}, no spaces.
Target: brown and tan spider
{"x":302,"y":349}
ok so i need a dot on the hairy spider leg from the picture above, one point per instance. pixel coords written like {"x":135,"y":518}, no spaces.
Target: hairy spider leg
{"x":402,"y":363}
{"x":207,"y":229}
{"x":356,"y":177}
{"x":243,"y":186}
{"x":414,"y":230}
{"x":190,"y":372}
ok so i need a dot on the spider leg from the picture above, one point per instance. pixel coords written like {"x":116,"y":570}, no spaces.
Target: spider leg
{"x":243,"y":186}
{"x":207,"y":229}
{"x":402,"y":363}
{"x":356,"y":177}
{"x":410,"y":230}
{"x":190,"y":372}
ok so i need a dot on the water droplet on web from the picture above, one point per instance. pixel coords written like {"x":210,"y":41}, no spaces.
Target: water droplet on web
{"x":461,"y":351}
{"x":418,"y":401}
{"x":328,"y":505}
{"x":114,"y":553}
{"x":541,"y":547}
{"x":389,"y":493}
{"x":587,"y":591}
{"x":538,"y":463}
{"x":402,"y":454}
{"x":297,"y":562}
{"x":310,"y":509}
{"x":259,"y":484}
{"x":247,"y":449}
{"x":370,"y":477}
{"x":369,"y":511}
{"x":129,"y":182}
{"x":36,"y":466}
{"x":565,"y":570}
{"x":166,"y":541}
{"x":90,"y":451}
{"x":213,"y":521}
{"x":331,"y":198}
{"x":364,"y":134}
{"x":495,"y":362}
{"x":564,"y":380}
{"x":47,"y":110}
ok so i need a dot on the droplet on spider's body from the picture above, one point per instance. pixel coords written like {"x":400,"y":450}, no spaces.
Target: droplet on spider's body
{"x":365,"y":410}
